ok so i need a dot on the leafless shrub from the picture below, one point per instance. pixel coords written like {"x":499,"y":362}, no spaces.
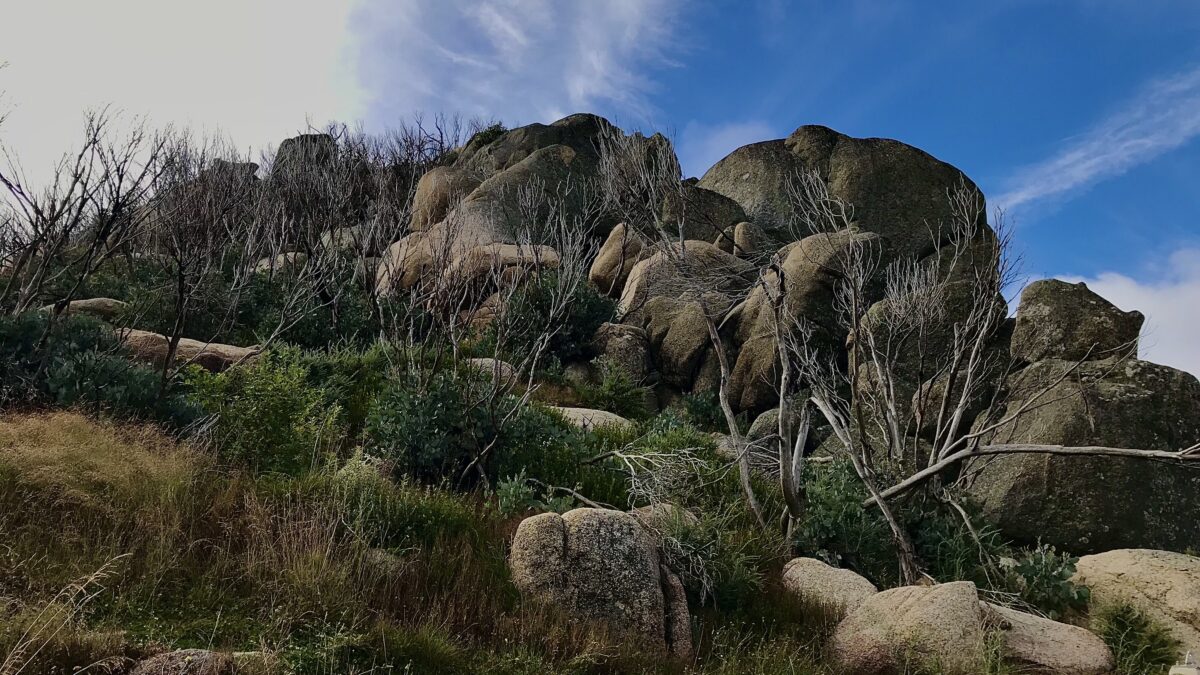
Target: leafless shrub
{"x":919,"y":359}
{"x":58,"y":235}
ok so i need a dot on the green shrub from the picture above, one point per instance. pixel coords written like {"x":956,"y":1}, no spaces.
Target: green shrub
{"x":532,"y":303}
{"x":102,"y":378}
{"x":433,"y":425}
{"x":838,"y":530}
{"x":428,"y":425}
{"x":77,"y":361}
{"x":1140,"y":646}
{"x":266,"y":414}
{"x":703,"y":409}
{"x":713,"y":563}
{"x":1043,"y":578}
{"x":947,"y":547}
{"x":346,"y":319}
{"x":488,"y":134}
{"x":616,"y":392}
{"x":552,"y":451}
{"x":515,"y":496}
{"x":351,"y":378}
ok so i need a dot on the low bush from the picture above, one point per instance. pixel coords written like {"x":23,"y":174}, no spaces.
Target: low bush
{"x":430,"y":426}
{"x":616,"y":392}
{"x":713,"y":563}
{"x":266,"y":415}
{"x":351,"y":378}
{"x":78,"y":361}
{"x":703,"y":409}
{"x":488,"y":134}
{"x":345,"y":318}
{"x":838,"y":530}
{"x":1042,"y":577}
{"x":532,"y":303}
{"x":434,"y":425}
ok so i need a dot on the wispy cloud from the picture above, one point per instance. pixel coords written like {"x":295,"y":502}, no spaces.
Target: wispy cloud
{"x":1163,"y":116}
{"x":1168,"y":298}
{"x":519,"y":60}
{"x":700,"y":146}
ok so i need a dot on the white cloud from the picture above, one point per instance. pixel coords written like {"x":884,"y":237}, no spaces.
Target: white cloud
{"x":1170,"y":299}
{"x":702,"y":145}
{"x":256,"y":69}
{"x":519,"y":60}
{"x":1163,"y":116}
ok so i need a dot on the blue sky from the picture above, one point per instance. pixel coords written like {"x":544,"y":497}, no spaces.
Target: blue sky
{"x":1081,"y":116}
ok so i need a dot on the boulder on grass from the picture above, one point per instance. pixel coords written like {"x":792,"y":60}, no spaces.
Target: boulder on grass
{"x":153,"y":348}
{"x":815,"y":583}
{"x":1163,"y":585}
{"x":187,"y":662}
{"x":105,"y":309}
{"x":590,"y":420}
{"x":945,"y":628}
{"x":1038,"y":645}
{"x":1058,"y":320}
{"x":601,"y":565}
{"x":900,"y":629}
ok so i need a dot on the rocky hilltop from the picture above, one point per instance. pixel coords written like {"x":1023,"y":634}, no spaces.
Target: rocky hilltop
{"x":657,"y":399}
{"x":898,"y":193}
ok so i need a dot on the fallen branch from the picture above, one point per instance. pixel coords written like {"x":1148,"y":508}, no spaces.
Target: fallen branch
{"x":1184,"y":457}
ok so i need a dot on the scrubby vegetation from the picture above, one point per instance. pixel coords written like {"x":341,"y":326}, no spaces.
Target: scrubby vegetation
{"x":1139,"y":644}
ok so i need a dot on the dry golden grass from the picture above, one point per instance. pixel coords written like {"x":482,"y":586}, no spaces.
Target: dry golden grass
{"x":95,"y":465}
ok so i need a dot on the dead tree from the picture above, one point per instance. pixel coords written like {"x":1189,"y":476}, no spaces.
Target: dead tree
{"x":55,"y":237}
{"x":903,"y":400}
{"x":200,"y":224}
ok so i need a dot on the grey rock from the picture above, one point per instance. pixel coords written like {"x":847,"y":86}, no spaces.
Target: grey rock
{"x":895,"y":189}
{"x":703,"y":214}
{"x":1088,"y":504}
{"x":816,"y":583}
{"x":626,"y":347}
{"x":1036,"y":644}
{"x":615,"y":260}
{"x":1163,"y":585}
{"x":1058,"y":320}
